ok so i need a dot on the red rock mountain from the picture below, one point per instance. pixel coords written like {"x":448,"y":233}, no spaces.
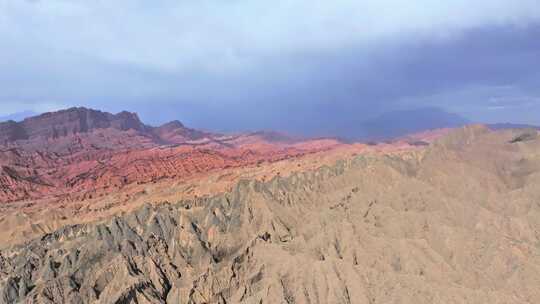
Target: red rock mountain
{"x":79,"y":121}
{"x":79,"y":151}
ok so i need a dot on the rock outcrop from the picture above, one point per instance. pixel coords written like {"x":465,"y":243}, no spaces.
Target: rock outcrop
{"x":73,"y":121}
{"x":76,"y":121}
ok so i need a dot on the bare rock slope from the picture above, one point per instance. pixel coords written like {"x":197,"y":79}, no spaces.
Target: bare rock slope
{"x":458,"y":222}
{"x":82,"y":152}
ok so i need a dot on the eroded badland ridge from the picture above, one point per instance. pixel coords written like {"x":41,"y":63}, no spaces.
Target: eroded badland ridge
{"x":80,"y":153}
{"x":455,"y":221}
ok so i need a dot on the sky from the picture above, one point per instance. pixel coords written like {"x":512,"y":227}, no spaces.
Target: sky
{"x":305,"y":66}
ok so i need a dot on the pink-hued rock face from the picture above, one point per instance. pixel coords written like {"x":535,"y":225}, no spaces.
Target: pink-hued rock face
{"x":73,"y":121}
{"x":79,"y":152}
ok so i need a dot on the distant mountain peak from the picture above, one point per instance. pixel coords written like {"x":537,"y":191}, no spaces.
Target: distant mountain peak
{"x":172,"y":125}
{"x":508,"y":125}
{"x":19,"y":116}
{"x":79,"y":120}
{"x":398,"y":123}
{"x":275,"y":136}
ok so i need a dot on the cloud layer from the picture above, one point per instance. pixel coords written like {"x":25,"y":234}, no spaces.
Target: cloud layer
{"x":299,"y":65}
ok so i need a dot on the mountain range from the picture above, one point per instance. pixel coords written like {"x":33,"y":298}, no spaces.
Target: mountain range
{"x":75,"y":121}
{"x":18,"y":116}
{"x":397,"y":123}
{"x":388,"y":125}
{"x":80,"y":151}
{"x":101,"y":208}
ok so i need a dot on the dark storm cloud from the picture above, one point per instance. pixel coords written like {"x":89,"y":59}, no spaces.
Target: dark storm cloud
{"x":307,"y":67}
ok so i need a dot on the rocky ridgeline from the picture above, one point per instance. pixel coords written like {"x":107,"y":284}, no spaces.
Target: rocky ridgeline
{"x":80,"y":153}
{"x":194,"y":251}
{"x":67,"y":122}
{"x":38,"y":175}
{"x":75,"y":121}
{"x":437,"y":226}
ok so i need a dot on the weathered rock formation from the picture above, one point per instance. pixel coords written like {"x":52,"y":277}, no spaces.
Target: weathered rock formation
{"x":81,"y":152}
{"x":457,"y":222}
{"x":76,"y":121}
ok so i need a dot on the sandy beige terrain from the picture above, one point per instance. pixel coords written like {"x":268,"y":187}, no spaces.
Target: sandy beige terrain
{"x":457,"y":221}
